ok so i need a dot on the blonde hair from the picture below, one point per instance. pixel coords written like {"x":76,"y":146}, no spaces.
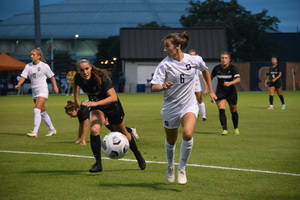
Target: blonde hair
{"x":181,"y":39}
{"x":40,"y":53}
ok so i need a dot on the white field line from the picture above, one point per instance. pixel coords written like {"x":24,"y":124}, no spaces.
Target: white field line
{"x":155,"y":162}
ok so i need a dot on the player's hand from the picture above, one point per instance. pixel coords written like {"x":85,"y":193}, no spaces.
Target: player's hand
{"x":227,"y":84}
{"x":167,"y":85}
{"x":89,"y":103}
{"x":213,"y":97}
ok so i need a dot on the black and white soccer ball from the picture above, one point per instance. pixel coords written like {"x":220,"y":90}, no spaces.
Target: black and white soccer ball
{"x":115,"y":145}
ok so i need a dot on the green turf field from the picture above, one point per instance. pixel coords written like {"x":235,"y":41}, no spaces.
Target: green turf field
{"x":263,"y":162}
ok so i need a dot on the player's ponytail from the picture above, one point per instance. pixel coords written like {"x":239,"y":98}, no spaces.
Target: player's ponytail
{"x":181,"y":39}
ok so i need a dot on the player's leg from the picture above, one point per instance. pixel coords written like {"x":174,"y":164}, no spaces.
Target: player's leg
{"x":271,"y":97}
{"x":202,"y":107}
{"x":96,"y":121}
{"x":222,"y":116}
{"x":48,"y":121}
{"x":170,"y":145}
{"x":234,"y":117}
{"x":279,"y":93}
{"x":39,"y":106}
{"x":188,"y":122}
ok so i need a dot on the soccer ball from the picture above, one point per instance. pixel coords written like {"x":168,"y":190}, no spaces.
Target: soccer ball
{"x":115,"y":145}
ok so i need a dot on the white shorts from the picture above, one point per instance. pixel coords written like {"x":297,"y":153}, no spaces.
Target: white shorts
{"x":172,"y":119}
{"x":197,"y":84}
{"x":40,"y":92}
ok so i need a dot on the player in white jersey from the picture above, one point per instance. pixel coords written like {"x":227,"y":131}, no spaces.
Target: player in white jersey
{"x":38,"y":72}
{"x":198,"y":89}
{"x":175,"y":77}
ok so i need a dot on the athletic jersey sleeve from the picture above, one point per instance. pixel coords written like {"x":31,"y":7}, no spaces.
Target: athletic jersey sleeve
{"x":159,"y":74}
{"x":48,"y":71}
{"x":25,"y":71}
{"x":235,"y":72}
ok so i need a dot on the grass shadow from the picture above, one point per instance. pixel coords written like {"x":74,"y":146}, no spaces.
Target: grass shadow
{"x":154,"y":186}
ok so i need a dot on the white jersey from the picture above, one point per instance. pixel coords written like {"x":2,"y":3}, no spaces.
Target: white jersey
{"x":180,"y":97}
{"x":37,"y":74}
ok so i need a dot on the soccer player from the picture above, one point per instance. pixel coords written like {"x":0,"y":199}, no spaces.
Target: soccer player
{"x":175,"y":76}
{"x":274,"y":82}
{"x":38,"y":72}
{"x":228,"y":76}
{"x":104,"y":102}
{"x":82,"y":115}
{"x":198,"y":89}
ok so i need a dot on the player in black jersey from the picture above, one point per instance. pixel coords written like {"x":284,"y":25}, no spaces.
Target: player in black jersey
{"x":82,"y":115}
{"x":228,"y":76}
{"x":274,"y":82}
{"x":104,"y":103}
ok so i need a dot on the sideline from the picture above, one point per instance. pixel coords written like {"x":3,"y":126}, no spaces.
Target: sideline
{"x":155,"y":162}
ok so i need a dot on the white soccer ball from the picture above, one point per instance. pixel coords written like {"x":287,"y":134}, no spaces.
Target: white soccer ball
{"x":115,"y":145}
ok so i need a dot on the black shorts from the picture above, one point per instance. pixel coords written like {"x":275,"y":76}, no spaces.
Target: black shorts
{"x":115,"y":114}
{"x":276,"y":84}
{"x":230,"y":97}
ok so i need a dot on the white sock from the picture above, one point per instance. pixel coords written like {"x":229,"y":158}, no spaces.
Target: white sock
{"x":202,"y":109}
{"x":37,"y":120}
{"x":47,"y":120}
{"x":170,"y":152}
{"x":185,"y":152}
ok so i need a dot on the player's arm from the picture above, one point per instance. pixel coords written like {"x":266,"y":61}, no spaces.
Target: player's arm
{"x":164,"y":86}
{"x":75,"y":94}
{"x":21,"y":81}
{"x":277,"y":77}
{"x":205,"y":86}
{"x":53,"y":80}
{"x":235,"y":81}
{"x":207,"y":78}
{"x":83,"y":127}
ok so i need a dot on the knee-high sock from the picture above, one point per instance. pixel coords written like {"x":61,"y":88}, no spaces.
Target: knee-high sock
{"x":170,"y":153}
{"x":37,"y":120}
{"x":271,"y":100}
{"x":185,"y":152}
{"x":281,"y":99}
{"x":96,"y":146}
{"x":47,"y":120}
{"x":202,"y":109}
{"x":223,"y":119}
{"x":235,"y":119}
{"x":133,"y":146}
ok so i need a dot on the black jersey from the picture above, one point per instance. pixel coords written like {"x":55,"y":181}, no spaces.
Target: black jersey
{"x":83,"y":113}
{"x":94,"y":93}
{"x":274,"y":72}
{"x":225,"y":75}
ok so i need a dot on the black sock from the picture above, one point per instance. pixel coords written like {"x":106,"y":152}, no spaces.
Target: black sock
{"x":110,"y":127}
{"x":281,"y":99}
{"x":129,"y":130}
{"x":271,"y":100}
{"x":235,"y":119}
{"x":133,"y":146}
{"x":223,"y":119}
{"x":96,"y":147}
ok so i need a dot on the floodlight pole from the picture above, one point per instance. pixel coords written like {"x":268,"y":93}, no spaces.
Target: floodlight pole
{"x":37,"y":24}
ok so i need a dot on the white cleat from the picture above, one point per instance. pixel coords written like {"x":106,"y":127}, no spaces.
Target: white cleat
{"x":134,"y":133}
{"x":182,"y":177}
{"x":32,"y":134}
{"x":170,"y":175}
{"x":51,"y":132}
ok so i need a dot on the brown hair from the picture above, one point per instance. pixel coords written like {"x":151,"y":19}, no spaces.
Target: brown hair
{"x":70,"y":106}
{"x":40,"y":53}
{"x":97,"y":72}
{"x":226,"y":53}
{"x":181,"y":39}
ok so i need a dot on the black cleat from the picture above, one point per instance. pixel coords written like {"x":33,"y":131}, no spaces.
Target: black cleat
{"x":203,"y":119}
{"x":97,"y":167}
{"x":141,"y":160}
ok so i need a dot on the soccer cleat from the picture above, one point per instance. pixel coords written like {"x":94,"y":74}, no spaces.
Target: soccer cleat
{"x":271,"y":107}
{"x":236,"y":131}
{"x":283,"y":106}
{"x":32,"y":134}
{"x":97,"y":167}
{"x":141,"y":160}
{"x":51,"y":132}
{"x":170,"y":175}
{"x":225,"y":132}
{"x":182,"y":177}
{"x":204,"y":119}
{"x":134,"y":134}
